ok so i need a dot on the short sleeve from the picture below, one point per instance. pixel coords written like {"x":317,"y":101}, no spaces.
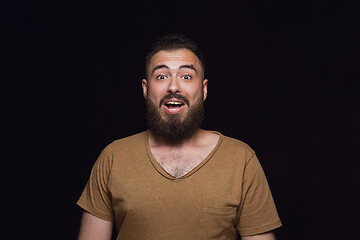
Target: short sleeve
{"x":257,"y":212}
{"x":96,"y":198}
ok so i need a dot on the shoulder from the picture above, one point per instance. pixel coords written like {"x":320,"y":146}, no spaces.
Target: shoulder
{"x":235,"y":147}
{"x":120,"y":151}
{"x":127,"y":147}
{"x":237,"y":144}
{"x":128,"y":142}
{"x":130,"y":139}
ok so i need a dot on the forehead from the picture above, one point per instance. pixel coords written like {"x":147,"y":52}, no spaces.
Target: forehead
{"x":174,"y":58}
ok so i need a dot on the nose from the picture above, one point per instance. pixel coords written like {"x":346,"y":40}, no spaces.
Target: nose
{"x":174,"y":86}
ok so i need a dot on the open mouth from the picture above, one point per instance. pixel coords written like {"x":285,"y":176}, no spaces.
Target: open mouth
{"x":174,"y":107}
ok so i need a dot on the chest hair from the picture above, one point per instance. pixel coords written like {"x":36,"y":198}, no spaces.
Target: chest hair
{"x":178,"y":164}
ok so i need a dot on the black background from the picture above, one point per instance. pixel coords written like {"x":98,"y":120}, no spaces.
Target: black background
{"x":282,"y":77}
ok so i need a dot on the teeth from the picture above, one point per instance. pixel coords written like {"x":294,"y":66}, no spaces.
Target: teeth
{"x":174,"y":103}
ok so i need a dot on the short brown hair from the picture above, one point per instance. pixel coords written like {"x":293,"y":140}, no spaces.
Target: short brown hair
{"x":174,"y":42}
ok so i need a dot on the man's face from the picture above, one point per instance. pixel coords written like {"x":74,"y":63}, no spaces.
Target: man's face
{"x":175,"y":90}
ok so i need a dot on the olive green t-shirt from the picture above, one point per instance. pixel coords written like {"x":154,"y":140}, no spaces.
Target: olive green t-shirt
{"x":226,"y":193}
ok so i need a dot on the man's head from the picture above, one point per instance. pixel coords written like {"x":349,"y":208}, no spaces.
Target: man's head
{"x":174,"y":89}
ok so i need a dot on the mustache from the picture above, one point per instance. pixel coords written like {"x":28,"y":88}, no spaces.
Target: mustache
{"x":174,"y":95}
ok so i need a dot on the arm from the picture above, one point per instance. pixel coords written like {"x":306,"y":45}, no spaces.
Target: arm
{"x":263,"y":236}
{"x":94,"y":228}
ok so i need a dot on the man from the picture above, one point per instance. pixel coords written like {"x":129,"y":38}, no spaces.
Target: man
{"x":176,"y":180}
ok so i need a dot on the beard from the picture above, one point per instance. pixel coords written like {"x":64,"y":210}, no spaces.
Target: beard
{"x":172,"y":128}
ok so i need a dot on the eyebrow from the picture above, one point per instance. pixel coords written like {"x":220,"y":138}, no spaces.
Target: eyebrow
{"x":158,"y":67}
{"x":190,"y":66}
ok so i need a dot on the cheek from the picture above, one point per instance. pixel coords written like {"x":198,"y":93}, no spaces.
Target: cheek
{"x":154,"y":96}
{"x":157,"y":87}
{"x":197,"y":93}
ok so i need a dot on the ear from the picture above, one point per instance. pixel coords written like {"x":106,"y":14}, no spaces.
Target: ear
{"x":205,"y":83}
{"x":144,"y":87}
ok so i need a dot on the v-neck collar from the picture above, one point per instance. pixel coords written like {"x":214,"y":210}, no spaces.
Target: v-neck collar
{"x":165,"y":174}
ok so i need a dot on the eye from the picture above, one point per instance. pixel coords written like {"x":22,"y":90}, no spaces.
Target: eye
{"x":161,"y":77}
{"x":186,"y":77}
